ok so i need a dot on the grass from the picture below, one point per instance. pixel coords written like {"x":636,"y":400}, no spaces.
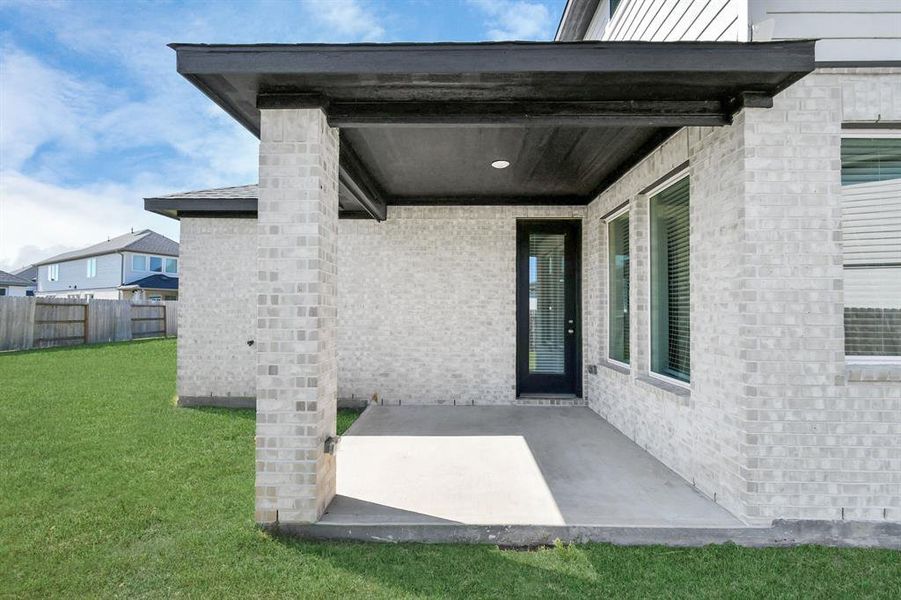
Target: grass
{"x":109,"y":490}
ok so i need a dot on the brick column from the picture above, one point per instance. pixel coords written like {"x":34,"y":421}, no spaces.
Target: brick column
{"x":295,"y":335}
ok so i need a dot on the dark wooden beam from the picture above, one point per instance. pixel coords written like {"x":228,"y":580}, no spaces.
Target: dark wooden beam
{"x":489,"y":201}
{"x":498,"y":58}
{"x":748,"y":100}
{"x":358,"y":183}
{"x":670,"y":113}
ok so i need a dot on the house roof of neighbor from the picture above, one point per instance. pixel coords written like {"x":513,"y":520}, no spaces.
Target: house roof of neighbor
{"x":145,"y":241}
{"x":155,"y":282}
{"x":14,"y":280}
{"x":30,"y":272}
{"x":421,"y":123}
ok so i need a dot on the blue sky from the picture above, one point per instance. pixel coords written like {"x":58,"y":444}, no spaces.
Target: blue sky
{"x":93,"y":116}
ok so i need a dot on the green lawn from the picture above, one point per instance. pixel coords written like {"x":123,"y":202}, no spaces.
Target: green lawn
{"x":108,"y":489}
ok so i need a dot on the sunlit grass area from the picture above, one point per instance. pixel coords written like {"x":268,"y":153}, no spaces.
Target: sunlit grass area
{"x":109,"y":489}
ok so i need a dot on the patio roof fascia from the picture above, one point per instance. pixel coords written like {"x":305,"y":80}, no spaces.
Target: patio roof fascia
{"x":460,"y":85}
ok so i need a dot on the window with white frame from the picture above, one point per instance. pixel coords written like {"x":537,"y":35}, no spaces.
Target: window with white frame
{"x":53,"y":272}
{"x":618,"y":287}
{"x":91,"y":268}
{"x":156,"y":264}
{"x":670,"y":318}
{"x":138,"y":263}
{"x":871,"y":237}
{"x":171,"y":265}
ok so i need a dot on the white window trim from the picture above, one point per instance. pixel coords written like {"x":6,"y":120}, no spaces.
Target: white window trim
{"x":89,"y":272}
{"x":871,"y":133}
{"x":53,"y":272}
{"x":668,"y":182}
{"x":622,"y":211}
{"x":854,"y":359}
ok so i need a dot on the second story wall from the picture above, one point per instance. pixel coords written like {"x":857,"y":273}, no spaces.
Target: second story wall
{"x":73,"y":274}
{"x":849,"y":30}
{"x":670,"y":21}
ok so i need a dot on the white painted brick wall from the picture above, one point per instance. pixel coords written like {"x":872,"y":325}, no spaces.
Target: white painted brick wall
{"x":773,"y":427}
{"x":427,"y":304}
{"x":217,"y":308}
{"x":297,"y":233}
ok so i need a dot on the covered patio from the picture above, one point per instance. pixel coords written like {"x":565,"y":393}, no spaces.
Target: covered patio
{"x":502,"y":147}
{"x":506,"y":465}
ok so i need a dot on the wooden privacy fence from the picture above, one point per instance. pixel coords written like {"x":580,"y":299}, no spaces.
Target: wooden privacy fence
{"x":46,"y":322}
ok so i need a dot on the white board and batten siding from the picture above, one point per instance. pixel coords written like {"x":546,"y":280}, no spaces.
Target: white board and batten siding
{"x":847,"y":30}
{"x":671,"y":21}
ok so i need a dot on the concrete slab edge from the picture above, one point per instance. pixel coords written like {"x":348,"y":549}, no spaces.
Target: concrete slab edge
{"x":218,"y":401}
{"x":782,"y":533}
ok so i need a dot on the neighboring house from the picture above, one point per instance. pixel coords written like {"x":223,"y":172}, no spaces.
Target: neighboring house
{"x":13,"y":285}
{"x":137,"y":265}
{"x":699,"y":240}
{"x":29,"y":273}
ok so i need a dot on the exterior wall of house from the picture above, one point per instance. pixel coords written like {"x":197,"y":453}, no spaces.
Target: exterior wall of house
{"x":426,"y":304}
{"x":217,"y":309}
{"x":13,"y":290}
{"x":848,"y":30}
{"x":699,"y":434}
{"x":776,"y":424}
{"x":671,"y":20}
{"x":73,"y":276}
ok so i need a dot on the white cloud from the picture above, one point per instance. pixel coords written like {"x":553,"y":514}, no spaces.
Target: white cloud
{"x":346,"y":18}
{"x":516,"y":19}
{"x":42,"y":213}
{"x":39,"y":219}
{"x":65,"y":108}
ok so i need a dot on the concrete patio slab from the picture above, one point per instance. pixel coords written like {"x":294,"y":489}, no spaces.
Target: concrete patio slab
{"x":506,"y":466}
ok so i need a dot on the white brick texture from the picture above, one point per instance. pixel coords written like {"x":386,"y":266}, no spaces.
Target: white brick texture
{"x":297,"y":232}
{"x":775,"y":424}
{"x":427,"y":304}
{"x":217,"y":309}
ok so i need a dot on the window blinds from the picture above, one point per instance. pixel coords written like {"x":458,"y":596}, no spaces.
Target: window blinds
{"x":871,"y":236}
{"x":670,"y":269}
{"x":618,"y":265}
{"x":547,"y":294}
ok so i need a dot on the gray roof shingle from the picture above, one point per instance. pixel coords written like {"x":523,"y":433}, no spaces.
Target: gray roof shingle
{"x":30,"y":273}
{"x":10,"y":279}
{"x":139,"y":241}
{"x":236,"y":192}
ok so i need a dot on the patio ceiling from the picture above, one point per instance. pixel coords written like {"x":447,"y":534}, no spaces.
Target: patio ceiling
{"x":421,"y":123}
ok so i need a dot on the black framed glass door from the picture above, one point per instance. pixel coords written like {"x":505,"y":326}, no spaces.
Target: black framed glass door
{"x":548,"y":328}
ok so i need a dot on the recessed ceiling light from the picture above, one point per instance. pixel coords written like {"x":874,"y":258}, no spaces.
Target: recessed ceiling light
{"x":500,"y":164}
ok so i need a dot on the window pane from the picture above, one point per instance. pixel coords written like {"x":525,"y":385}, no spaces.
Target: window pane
{"x":870,"y":159}
{"x":670,"y":348}
{"x":871,"y":238}
{"x":171,"y":265}
{"x":156,"y":264}
{"x":546,"y":303}
{"x":618,"y":263}
{"x":138,"y":263}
